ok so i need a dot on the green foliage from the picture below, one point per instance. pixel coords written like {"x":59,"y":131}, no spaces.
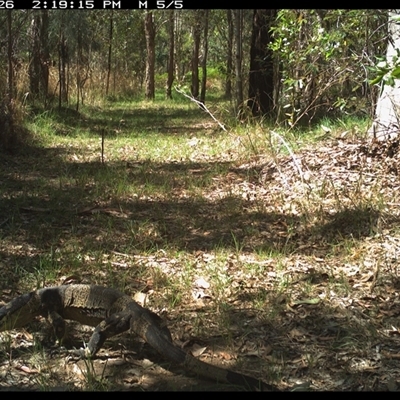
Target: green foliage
{"x":323,"y":56}
{"x":385,"y":71}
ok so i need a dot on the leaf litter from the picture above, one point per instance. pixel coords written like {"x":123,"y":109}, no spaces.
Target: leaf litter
{"x":304,"y":294}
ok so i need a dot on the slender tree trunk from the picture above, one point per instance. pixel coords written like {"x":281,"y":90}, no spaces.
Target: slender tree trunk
{"x":195,"y":54}
{"x":62,"y":67}
{"x":34,"y":62}
{"x":45,"y":52}
{"x":78,"y":67}
{"x":178,"y":45}
{"x":229,"y":56}
{"x":204,"y":59}
{"x":171,"y":30}
{"x":10,"y":62}
{"x":151,"y":55}
{"x":7,"y":109}
{"x":110,"y":38}
{"x":237,"y":27}
{"x":45,"y":58}
{"x":60,"y":91}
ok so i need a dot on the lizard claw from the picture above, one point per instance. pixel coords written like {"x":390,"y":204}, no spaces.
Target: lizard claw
{"x":77,"y":354}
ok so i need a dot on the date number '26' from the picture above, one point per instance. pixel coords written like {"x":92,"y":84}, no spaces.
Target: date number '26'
{"x":6,"y":4}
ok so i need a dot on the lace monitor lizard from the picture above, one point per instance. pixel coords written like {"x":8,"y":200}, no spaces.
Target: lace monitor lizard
{"x":111,"y":312}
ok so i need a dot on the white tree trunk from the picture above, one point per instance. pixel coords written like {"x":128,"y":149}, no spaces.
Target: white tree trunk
{"x":387,"y":115}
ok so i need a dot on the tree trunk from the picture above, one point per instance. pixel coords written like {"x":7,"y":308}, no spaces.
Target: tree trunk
{"x":204,"y":58}
{"x":237,"y":28}
{"x":229,"y":56}
{"x":39,"y":57}
{"x":34,"y":62}
{"x":178,"y":46}
{"x":10,"y":82}
{"x":194,"y":89}
{"x":171,"y":30}
{"x":150,"y":33}
{"x":110,"y":38}
{"x":261,"y":75}
{"x":78,"y":67}
{"x":45,"y":54}
{"x":7,"y":109}
{"x":62,"y":67}
{"x":387,"y":115}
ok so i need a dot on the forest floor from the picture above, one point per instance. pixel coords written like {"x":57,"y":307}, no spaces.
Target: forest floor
{"x":269,"y":255}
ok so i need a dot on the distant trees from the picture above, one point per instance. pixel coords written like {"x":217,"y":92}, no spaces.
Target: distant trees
{"x":294,"y":65}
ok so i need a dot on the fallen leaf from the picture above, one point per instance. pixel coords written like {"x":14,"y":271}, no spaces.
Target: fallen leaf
{"x":197,"y":350}
{"x":201,"y":283}
{"x":141,"y":298}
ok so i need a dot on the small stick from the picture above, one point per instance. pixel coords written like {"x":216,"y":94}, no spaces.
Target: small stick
{"x":102,"y":146}
{"x":201,"y":105}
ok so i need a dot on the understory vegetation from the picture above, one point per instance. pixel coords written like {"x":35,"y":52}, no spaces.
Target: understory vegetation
{"x":271,"y":252}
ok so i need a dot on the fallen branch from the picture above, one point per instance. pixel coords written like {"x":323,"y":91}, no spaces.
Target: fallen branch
{"x":202,"y":106}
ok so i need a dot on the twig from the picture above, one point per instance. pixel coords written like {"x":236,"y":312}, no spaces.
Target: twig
{"x":4,"y":222}
{"x":102,"y":146}
{"x":202,"y":106}
{"x":297,"y":165}
{"x":374,"y":277}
